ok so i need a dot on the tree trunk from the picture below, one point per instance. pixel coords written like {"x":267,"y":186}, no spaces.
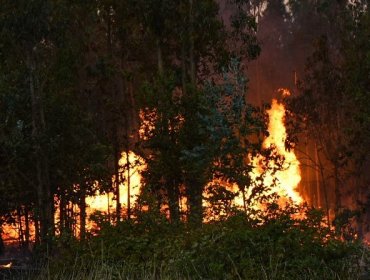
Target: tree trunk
{"x":45,"y":202}
{"x":323,"y":180}
{"x":37,"y":230}
{"x":159,"y":57}
{"x":173,"y":201}
{"x":244,"y":200}
{"x":83,"y":214}
{"x":183,"y":67}
{"x":195,"y":190}
{"x":191,"y":44}
{"x":117,"y":180}
{"x":2,"y":247}
{"x":317,"y":176}
{"x":27,"y":227}
{"x":62,"y":214}
{"x":338,"y":195}
{"x":128,"y":179}
{"x":20,"y":226}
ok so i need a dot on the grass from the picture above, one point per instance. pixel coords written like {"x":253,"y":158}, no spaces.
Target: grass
{"x":278,"y":249}
{"x":160,"y":271}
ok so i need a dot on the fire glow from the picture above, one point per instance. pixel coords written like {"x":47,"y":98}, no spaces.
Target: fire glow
{"x":284,"y":181}
{"x":289,"y":175}
{"x":129,"y":188}
{"x":9,"y":265}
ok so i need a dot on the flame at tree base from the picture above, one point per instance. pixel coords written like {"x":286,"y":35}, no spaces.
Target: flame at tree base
{"x":283,"y":177}
{"x":279,"y":174}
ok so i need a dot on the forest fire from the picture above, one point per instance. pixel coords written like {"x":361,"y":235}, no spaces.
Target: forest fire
{"x":288,"y":175}
{"x":283,"y":179}
{"x":282,"y":173}
{"x":129,"y":188}
{"x":153,"y":139}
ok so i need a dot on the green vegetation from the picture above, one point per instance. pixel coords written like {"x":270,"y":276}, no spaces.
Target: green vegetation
{"x":272,"y":246}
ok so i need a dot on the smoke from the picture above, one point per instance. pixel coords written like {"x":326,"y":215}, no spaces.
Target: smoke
{"x":287,"y":33}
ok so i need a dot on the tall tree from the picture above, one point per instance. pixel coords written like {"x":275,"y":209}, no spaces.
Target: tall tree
{"x":339,"y":119}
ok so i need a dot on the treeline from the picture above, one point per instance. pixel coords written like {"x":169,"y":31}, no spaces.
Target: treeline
{"x":332,"y":117}
{"x":76,"y":75}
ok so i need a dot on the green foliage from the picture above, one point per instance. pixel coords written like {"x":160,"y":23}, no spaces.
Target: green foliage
{"x":203,"y":135}
{"x":333,"y":107}
{"x":238,"y":248}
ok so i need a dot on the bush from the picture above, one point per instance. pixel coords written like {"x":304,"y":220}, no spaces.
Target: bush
{"x":274,"y":246}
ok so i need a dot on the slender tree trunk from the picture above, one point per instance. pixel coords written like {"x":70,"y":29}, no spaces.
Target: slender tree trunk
{"x":338,"y":195}
{"x":128,"y":179}
{"x":20,"y":226}
{"x":37,"y":230}
{"x":194,"y":185}
{"x":62,"y":214}
{"x":2,"y":247}
{"x":115,"y":133}
{"x":83,"y":214}
{"x":318,"y":190}
{"x":117,"y":180}
{"x":244,"y":200}
{"x":27,"y":227}
{"x":108,"y":207}
{"x":183,"y":67}
{"x":127,"y":117}
{"x":159,"y":57}
{"x":173,"y":200}
{"x":195,"y":190}
{"x":68,"y":219}
{"x":73,"y":220}
{"x":325,"y":190}
{"x":191,"y":44}
{"x":45,"y":202}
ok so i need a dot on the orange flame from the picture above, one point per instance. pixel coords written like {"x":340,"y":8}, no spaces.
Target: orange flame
{"x":9,"y":265}
{"x":289,"y":176}
{"x":287,"y":179}
{"x":105,"y":202}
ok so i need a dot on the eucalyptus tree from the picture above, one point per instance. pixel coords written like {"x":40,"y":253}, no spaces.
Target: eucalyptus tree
{"x":337,"y":71}
{"x":192,"y":47}
{"x":43,"y":104}
{"x":26,"y":29}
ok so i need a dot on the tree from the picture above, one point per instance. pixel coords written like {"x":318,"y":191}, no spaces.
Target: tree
{"x":198,"y":45}
{"x":333,"y":106}
{"x":25,"y":28}
{"x":42,"y":58}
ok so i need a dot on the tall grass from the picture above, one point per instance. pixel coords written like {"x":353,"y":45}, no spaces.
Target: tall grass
{"x":278,"y":249}
{"x":164,"y":271}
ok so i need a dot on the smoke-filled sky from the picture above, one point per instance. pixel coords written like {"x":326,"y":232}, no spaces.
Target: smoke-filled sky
{"x":286,"y":33}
